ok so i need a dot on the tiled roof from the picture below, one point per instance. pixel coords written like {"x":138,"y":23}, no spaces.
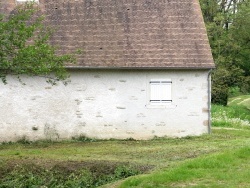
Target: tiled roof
{"x":130,"y":33}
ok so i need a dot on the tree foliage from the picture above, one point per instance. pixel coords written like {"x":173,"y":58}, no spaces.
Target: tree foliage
{"x":25,"y":48}
{"x":228,"y":26}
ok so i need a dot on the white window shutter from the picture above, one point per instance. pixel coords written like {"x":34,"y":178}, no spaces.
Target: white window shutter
{"x":160,"y":91}
{"x":167,"y":93}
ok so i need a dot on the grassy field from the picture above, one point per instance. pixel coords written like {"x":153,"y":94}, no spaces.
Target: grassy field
{"x":157,"y":157}
{"x":225,"y":169}
{"x":235,"y":115}
{"x":221,"y":159}
{"x":243,"y":100}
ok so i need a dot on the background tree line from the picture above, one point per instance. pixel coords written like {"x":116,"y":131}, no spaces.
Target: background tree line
{"x":228,"y":27}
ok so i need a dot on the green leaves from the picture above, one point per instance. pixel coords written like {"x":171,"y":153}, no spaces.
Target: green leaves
{"x":228,"y":27}
{"x":25,"y":48}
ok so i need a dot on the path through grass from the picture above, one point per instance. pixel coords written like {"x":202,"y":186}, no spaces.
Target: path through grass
{"x":243,"y":100}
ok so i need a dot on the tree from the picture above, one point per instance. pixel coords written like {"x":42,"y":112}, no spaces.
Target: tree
{"x":25,"y":48}
{"x":241,"y":34}
{"x":227,"y":23}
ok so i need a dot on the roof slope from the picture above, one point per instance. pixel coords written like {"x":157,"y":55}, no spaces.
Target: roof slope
{"x":131,"y":33}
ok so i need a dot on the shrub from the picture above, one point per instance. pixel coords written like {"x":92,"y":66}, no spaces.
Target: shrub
{"x":220,"y":86}
{"x":245,"y":88}
{"x":220,"y":95}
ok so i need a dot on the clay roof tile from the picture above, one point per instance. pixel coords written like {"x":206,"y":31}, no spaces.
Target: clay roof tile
{"x":129,"y":33}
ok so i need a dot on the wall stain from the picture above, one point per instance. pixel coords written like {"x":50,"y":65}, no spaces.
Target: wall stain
{"x":82,"y":124}
{"x":121,"y":107}
{"x":112,"y":89}
{"x":108,"y":125}
{"x":78,"y":102}
{"x":90,"y":98}
{"x":133,"y":98}
{"x":161,"y":124}
{"x":140,"y":115}
{"x":50,"y":132}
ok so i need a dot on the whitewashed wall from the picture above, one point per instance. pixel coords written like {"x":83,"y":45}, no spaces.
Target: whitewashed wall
{"x":103,"y":104}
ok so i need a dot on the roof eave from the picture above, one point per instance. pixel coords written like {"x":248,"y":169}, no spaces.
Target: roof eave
{"x":143,"y":68}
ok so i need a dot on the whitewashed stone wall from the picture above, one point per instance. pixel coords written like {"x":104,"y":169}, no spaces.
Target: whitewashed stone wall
{"x":103,"y":104}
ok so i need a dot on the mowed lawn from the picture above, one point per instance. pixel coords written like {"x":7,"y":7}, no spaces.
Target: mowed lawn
{"x":225,"y":169}
{"x":159,"y":153}
{"x":169,"y":162}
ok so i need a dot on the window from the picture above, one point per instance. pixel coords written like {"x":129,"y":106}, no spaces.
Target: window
{"x":160,"y":91}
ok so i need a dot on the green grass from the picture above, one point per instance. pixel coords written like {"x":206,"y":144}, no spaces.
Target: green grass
{"x":157,"y":152}
{"x":154,"y":156}
{"x":235,"y":115}
{"x":243,"y":100}
{"x":226,"y":169}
